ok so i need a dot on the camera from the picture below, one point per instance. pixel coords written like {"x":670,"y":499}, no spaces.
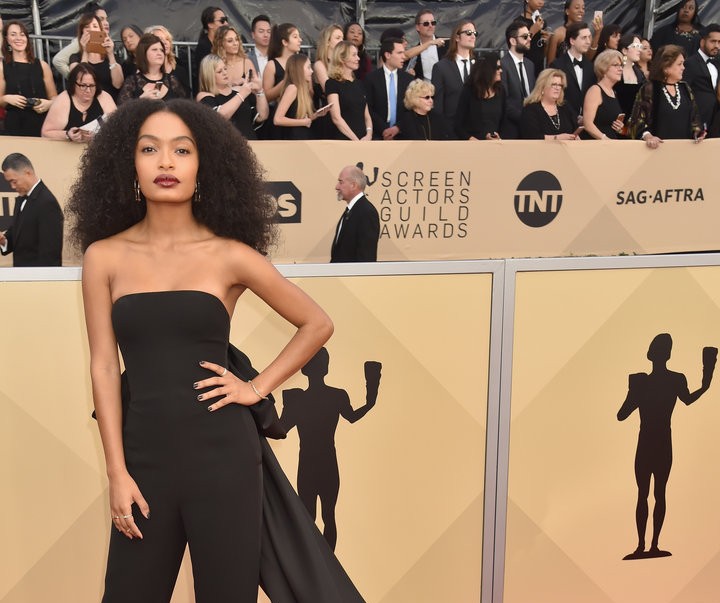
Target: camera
{"x":31,"y":102}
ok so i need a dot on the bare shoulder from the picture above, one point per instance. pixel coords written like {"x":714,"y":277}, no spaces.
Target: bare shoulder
{"x":244,"y":263}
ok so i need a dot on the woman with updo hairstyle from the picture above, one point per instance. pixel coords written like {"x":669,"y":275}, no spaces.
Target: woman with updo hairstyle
{"x":481,"y":107}
{"x":632,"y":77}
{"x":296,"y":114}
{"x":244,"y":105}
{"x":172,"y":215}
{"x":102,"y":60}
{"x":665,"y":106}
{"x":348,"y":104}
{"x":130,"y":36}
{"x":355,"y":34}
{"x":228,"y":46}
{"x":601,"y":108}
{"x":421,"y":121}
{"x":75,"y":109}
{"x":646,"y":55}
{"x":26,"y":83}
{"x":151,"y":81}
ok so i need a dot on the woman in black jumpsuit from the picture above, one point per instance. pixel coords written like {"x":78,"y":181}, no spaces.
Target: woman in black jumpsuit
{"x":172,"y":238}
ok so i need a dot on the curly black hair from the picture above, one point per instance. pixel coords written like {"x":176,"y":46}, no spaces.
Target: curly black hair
{"x":233,"y":200}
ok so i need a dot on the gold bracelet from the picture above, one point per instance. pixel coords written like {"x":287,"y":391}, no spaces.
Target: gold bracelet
{"x":257,"y":393}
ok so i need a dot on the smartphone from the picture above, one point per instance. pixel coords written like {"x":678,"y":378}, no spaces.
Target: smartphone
{"x":620,"y":117}
{"x":158,"y":86}
{"x":325,"y":107}
{"x":535,"y":16}
{"x":95,"y":44}
{"x":250,"y":74}
{"x":597,"y":15}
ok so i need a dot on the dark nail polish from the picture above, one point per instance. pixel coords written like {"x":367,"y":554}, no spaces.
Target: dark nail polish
{"x":195,"y":385}
{"x":202,"y":363}
{"x":210,"y":408}
{"x":200,"y":397}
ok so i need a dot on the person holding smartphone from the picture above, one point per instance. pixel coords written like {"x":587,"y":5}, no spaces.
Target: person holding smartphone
{"x":296,"y":111}
{"x":151,"y":81}
{"x":97,"y":50}
{"x":244,"y":105}
{"x":603,"y":114}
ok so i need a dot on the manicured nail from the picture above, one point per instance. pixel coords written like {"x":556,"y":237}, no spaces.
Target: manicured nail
{"x":195,"y":385}
{"x":210,"y":408}
{"x":200,"y":397}
{"x":202,"y":363}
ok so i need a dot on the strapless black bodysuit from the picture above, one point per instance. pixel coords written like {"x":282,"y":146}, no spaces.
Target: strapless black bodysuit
{"x":199,"y":471}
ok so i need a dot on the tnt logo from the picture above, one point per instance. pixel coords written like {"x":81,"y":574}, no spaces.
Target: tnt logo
{"x":538,"y":199}
{"x":288,"y":200}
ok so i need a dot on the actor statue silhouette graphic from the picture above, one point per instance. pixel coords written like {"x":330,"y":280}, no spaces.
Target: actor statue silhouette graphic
{"x":316,"y":412}
{"x":654,"y":395}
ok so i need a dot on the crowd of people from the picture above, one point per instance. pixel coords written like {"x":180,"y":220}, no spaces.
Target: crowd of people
{"x":582,"y":81}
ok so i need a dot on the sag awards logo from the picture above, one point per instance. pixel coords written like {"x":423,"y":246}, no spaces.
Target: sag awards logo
{"x":414,"y":204}
{"x":288,"y":201}
{"x":538,"y":199}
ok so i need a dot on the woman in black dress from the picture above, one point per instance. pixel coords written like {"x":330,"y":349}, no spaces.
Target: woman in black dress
{"x":632,"y":77}
{"x":665,"y":106}
{"x":174,"y":226}
{"x":296,"y":112}
{"x":130,"y":36}
{"x":75,"y":110}
{"x":481,"y":107}
{"x":421,"y":121}
{"x":102,"y":60}
{"x":150,"y":81}
{"x":355,"y":34}
{"x":26,"y":83}
{"x":601,"y":109}
{"x":545,"y":115}
{"x":346,"y":95}
{"x":285,"y":41}
{"x":244,"y":105}
{"x":683,"y":31}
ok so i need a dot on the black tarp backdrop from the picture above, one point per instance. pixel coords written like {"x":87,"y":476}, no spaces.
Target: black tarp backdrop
{"x":182,"y":17}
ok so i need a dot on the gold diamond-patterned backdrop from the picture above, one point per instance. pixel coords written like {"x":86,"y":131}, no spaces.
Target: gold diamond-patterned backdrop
{"x":410,"y":508}
{"x":572,"y":493}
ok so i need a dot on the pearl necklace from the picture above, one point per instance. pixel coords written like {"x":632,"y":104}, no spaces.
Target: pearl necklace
{"x":676,"y":103}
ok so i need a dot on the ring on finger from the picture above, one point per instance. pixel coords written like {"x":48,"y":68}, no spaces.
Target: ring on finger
{"x":127,"y":516}
{"x":224,"y":373}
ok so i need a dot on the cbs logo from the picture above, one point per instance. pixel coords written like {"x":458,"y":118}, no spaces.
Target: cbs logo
{"x":288,"y":201}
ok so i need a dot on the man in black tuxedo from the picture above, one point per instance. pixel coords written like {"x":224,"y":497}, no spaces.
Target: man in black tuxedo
{"x":517,"y":77}
{"x":701,"y":73}
{"x":449,"y":74}
{"x":432,"y":49}
{"x":358,"y":231}
{"x":36,"y":235}
{"x":386,"y":90}
{"x":579,"y":71}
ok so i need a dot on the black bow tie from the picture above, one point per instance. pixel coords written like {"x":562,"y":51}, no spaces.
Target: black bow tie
{"x":710,"y":61}
{"x":577,"y":63}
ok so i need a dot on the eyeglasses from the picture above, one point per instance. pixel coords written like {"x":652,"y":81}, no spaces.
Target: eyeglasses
{"x":469,"y":32}
{"x":428,"y":97}
{"x":428,"y":23}
{"x":556,"y":86}
{"x":616,"y":65}
{"x":637,"y":45}
{"x":498,"y":67}
{"x":85,"y":86}
{"x":221,"y":20}
{"x":524,"y":36}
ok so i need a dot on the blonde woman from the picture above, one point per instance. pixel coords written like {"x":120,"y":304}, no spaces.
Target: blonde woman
{"x":244,"y":105}
{"x":296,"y":112}
{"x":329,"y":39}
{"x":601,"y":108}
{"x":228,"y":47}
{"x":545,"y":114}
{"x":421,"y":121}
{"x":346,"y":95}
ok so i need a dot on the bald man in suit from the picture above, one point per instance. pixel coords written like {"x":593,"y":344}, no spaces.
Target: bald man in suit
{"x":358,"y":231}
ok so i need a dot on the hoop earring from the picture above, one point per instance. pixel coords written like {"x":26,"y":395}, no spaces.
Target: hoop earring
{"x":196,"y":194}
{"x":138,"y":194}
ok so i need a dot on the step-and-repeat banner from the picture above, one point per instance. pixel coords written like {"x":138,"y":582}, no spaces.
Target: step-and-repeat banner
{"x":409,"y":513}
{"x":613,"y":495}
{"x":459,"y":200}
